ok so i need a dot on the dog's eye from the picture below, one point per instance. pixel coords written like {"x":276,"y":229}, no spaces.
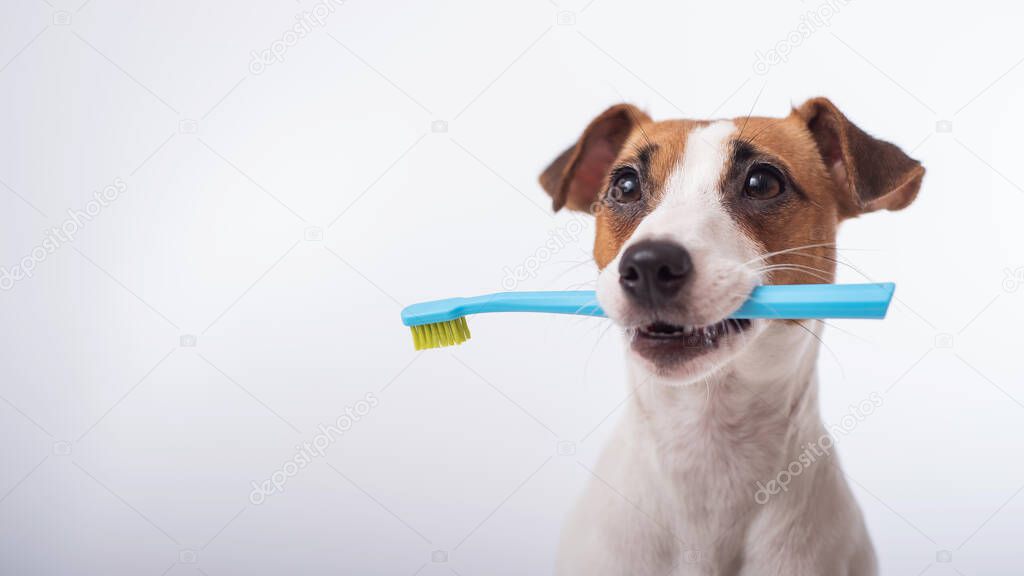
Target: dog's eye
{"x":763,"y":183}
{"x":625,"y":186}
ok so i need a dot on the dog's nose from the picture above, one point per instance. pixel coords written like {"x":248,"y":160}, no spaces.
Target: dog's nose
{"x":652,"y":271}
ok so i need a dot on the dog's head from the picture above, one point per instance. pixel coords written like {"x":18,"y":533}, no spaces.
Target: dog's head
{"x":692,"y":215}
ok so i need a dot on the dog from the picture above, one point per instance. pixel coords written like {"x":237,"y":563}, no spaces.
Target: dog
{"x":690,"y":217}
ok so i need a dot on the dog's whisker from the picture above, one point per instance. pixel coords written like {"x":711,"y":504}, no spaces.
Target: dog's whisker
{"x":791,"y":265}
{"x":593,"y":349}
{"x":787,"y":250}
{"x":837,"y":261}
{"x":799,"y":251}
{"x":574,"y":267}
{"x":851,"y":267}
{"x":582,"y":285}
{"x":781,"y":267}
{"x":845,"y":331}
{"x":840,"y":262}
{"x":751,"y":112}
{"x":839,"y":363}
{"x":762,"y":130}
{"x":640,"y":125}
{"x":570,"y":261}
{"x":788,"y":266}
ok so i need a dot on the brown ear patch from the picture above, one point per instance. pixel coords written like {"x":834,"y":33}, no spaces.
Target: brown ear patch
{"x":872,"y":174}
{"x":552,"y":176}
{"x":576,"y":177}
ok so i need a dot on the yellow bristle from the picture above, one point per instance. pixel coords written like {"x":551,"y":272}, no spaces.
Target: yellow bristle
{"x":440,"y":334}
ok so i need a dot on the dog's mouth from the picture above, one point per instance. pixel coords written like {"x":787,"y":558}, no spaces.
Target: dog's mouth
{"x":706,"y":336}
{"x":669,"y":345}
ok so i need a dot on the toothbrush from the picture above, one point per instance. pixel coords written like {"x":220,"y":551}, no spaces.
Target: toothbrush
{"x":443,"y":322}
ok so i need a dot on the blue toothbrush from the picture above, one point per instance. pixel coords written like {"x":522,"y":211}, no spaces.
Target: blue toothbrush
{"x":443,"y":322}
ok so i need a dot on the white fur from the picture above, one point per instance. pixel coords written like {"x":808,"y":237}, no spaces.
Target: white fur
{"x":674,"y":491}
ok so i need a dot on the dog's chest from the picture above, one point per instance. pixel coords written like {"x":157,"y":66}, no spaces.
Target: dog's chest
{"x":711,"y":448}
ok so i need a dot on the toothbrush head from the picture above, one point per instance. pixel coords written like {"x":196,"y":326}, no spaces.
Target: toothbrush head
{"x":440,"y":334}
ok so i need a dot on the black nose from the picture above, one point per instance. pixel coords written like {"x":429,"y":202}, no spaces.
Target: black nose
{"x":652,"y":272}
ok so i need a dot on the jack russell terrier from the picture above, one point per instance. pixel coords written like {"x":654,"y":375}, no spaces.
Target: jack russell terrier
{"x":690,"y":217}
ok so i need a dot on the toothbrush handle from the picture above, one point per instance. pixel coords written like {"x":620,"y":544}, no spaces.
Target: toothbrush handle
{"x":781,"y":301}
{"x":578,"y":302}
{"x":582,"y":302}
{"x":787,"y":301}
{"x":810,"y":301}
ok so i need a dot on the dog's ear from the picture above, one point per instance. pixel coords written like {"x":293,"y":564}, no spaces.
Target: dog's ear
{"x":871,"y":174}
{"x":576,"y":178}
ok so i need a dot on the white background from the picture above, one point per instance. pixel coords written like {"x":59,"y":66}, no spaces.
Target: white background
{"x":125,"y":452}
